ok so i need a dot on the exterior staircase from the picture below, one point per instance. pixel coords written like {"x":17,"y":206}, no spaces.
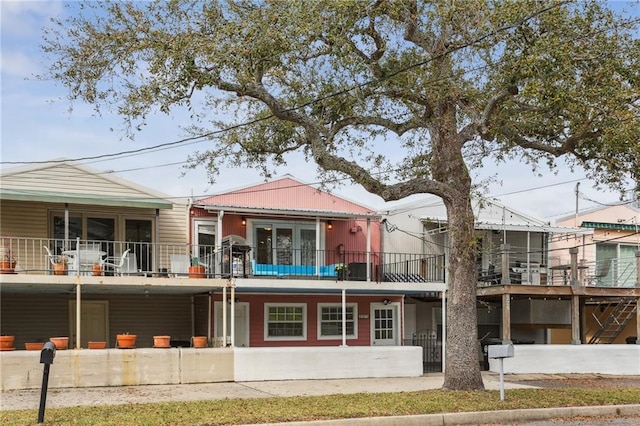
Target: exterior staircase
{"x":612,"y":319}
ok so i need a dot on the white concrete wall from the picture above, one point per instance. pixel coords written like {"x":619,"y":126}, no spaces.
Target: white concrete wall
{"x":563,"y":359}
{"x":298,"y":363}
{"x":117,"y":367}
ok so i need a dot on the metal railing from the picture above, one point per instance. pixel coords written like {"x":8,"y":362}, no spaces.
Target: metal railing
{"x":175,"y":259}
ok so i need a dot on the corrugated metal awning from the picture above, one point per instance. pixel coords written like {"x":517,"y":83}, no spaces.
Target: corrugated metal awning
{"x":616,"y":226}
{"x":78,"y":198}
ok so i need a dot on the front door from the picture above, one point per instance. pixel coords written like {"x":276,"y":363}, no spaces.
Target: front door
{"x":241,"y":335}
{"x":93,"y":322}
{"x":384,"y":324}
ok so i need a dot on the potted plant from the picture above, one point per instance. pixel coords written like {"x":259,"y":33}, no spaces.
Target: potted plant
{"x":60,"y":342}
{"x":199,"y":341}
{"x":342,"y":271}
{"x":126,"y":340}
{"x":60,"y":267}
{"x":196,"y":270}
{"x":97,"y":345}
{"x":6,"y":343}
{"x":161,"y":341}
{"x":7,"y":259}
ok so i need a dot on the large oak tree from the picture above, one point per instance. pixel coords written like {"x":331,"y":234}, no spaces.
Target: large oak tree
{"x":403,"y":96}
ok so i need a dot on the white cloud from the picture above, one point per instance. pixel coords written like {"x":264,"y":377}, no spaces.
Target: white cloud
{"x":17,"y":64}
{"x":21,"y":18}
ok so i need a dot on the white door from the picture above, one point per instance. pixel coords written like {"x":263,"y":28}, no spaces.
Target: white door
{"x":384,"y":324}
{"x":241,"y":335}
{"x":94,"y":320}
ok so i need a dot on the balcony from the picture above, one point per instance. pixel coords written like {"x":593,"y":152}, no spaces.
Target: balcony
{"x":104,"y":261}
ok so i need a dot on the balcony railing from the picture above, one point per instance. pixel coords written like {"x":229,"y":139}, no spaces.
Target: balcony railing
{"x":174,"y":259}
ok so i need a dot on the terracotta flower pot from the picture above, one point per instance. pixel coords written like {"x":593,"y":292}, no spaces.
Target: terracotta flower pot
{"x":97,"y":345}
{"x":196,"y":271}
{"x":34,"y":346}
{"x":60,"y":269}
{"x":97,"y":270}
{"x":199,"y":341}
{"x":61,"y":343}
{"x":7,"y":266}
{"x":126,"y":341}
{"x":6,"y":343}
{"x":161,"y":341}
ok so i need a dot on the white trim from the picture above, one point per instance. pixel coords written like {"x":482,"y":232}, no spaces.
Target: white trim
{"x":268,"y":338}
{"x":337,"y":336}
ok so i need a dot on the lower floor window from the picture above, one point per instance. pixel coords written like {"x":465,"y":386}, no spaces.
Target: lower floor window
{"x":330,"y":321}
{"x":285,"y":322}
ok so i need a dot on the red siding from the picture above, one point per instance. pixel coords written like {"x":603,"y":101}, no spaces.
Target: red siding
{"x":256,"y":316}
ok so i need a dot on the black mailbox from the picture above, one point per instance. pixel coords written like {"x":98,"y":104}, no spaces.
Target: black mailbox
{"x":48,"y":353}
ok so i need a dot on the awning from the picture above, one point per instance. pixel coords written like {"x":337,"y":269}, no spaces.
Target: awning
{"x":79,"y":198}
{"x":616,"y":226}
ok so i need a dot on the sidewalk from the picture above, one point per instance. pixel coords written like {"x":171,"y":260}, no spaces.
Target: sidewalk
{"x":67,"y":397}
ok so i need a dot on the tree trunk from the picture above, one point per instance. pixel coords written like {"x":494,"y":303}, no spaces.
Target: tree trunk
{"x":462,"y":370}
{"x":462,"y":362}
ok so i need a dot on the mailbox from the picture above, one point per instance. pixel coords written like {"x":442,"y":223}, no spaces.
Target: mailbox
{"x":500,"y":351}
{"x":48,"y":353}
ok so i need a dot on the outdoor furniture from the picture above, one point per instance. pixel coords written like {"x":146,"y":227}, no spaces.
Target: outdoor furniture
{"x":54,"y":259}
{"x":180,"y":265}
{"x":117,"y":264}
{"x":83,"y":259}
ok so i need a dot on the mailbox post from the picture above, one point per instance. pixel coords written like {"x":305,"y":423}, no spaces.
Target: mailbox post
{"x":47,"y":355}
{"x":501,"y":352}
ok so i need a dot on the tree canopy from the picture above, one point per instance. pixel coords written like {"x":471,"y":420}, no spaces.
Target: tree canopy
{"x":403,"y":97}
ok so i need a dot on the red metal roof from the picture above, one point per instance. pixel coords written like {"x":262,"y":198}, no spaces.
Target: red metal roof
{"x":285,"y":194}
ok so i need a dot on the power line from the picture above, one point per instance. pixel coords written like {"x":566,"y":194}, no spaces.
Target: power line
{"x":196,"y":139}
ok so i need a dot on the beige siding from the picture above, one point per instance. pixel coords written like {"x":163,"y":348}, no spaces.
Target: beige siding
{"x":65,"y":178}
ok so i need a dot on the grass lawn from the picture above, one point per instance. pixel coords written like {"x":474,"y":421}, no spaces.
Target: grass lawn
{"x":265,"y":410}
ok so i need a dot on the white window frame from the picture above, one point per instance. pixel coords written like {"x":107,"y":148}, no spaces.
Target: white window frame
{"x":268,"y":338}
{"x":339,"y":306}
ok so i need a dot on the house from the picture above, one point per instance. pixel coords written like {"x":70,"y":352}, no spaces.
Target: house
{"x":607,"y":258}
{"x":529,"y":269}
{"x":306,"y":268}
{"x":284,"y":280}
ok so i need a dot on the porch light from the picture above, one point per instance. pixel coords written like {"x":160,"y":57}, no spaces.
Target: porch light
{"x":386,"y":301}
{"x":244,"y":221}
{"x":329,"y":224}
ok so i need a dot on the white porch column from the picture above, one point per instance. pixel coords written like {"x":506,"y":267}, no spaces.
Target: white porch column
{"x":444,"y":329}
{"x":344,"y":317}
{"x":224,"y":316}
{"x":233,"y":316}
{"x":78,"y":314}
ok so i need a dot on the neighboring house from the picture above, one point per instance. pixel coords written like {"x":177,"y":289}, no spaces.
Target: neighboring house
{"x":513,"y":265}
{"x":300,"y":258}
{"x":607,"y":258}
{"x":49,"y":214}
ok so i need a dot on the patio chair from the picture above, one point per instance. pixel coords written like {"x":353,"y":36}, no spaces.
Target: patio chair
{"x":117,"y":264}
{"x":53,"y":259}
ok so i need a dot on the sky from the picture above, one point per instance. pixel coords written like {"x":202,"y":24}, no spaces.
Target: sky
{"x":38,"y":124}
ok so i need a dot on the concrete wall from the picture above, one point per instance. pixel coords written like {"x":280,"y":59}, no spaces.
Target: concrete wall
{"x":297,"y":363}
{"x":117,"y":367}
{"x":563,"y":359}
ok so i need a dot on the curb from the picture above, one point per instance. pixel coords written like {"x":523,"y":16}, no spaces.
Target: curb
{"x":480,"y":417}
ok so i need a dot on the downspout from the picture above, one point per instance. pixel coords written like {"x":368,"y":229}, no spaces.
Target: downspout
{"x":368,"y":249}
{"x":156,"y":243}
{"x":218,"y":249}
